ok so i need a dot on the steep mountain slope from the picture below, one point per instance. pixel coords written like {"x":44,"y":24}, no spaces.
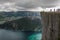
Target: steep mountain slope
{"x":23,"y":24}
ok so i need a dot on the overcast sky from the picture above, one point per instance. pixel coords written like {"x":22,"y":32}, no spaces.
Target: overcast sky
{"x":28,"y":4}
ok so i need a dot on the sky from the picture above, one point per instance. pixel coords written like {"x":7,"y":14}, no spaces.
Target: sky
{"x":29,"y":5}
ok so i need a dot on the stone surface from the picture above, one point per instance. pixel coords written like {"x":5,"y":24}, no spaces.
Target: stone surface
{"x":51,"y":25}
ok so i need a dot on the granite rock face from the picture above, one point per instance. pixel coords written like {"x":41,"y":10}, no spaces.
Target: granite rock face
{"x":51,"y":25}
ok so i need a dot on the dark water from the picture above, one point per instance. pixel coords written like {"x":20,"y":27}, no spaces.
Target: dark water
{"x":19,"y":35}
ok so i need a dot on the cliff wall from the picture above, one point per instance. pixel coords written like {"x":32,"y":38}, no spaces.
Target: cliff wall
{"x":51,"y":25}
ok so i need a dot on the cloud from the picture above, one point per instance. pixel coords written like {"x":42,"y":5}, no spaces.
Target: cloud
{"x":7,"y":6}
{"x":34,"y":3}
{"x":30,"y":4}
{"x":36,"y":9}
{"x":13,"y":7}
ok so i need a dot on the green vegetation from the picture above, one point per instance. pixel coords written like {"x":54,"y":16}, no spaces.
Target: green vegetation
{"x":1,"y":18}
{"x":26,"y":24}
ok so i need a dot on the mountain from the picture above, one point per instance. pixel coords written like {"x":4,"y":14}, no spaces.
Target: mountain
{"x":23,"y":24}
{"x":20,"y":20}
{"x":20,"y":13}
{"x":9,"y":16}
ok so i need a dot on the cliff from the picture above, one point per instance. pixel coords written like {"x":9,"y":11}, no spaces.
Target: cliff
{"x":50,"y":25}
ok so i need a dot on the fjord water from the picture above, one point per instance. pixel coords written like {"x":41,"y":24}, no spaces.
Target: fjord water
{"x":19,"y":35}
{"x":26,"y":34}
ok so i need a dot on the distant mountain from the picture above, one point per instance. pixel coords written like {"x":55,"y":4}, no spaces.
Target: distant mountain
{"x":20,"y":13}
{"x":9,"y":16}
{"x":23,"y":24}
